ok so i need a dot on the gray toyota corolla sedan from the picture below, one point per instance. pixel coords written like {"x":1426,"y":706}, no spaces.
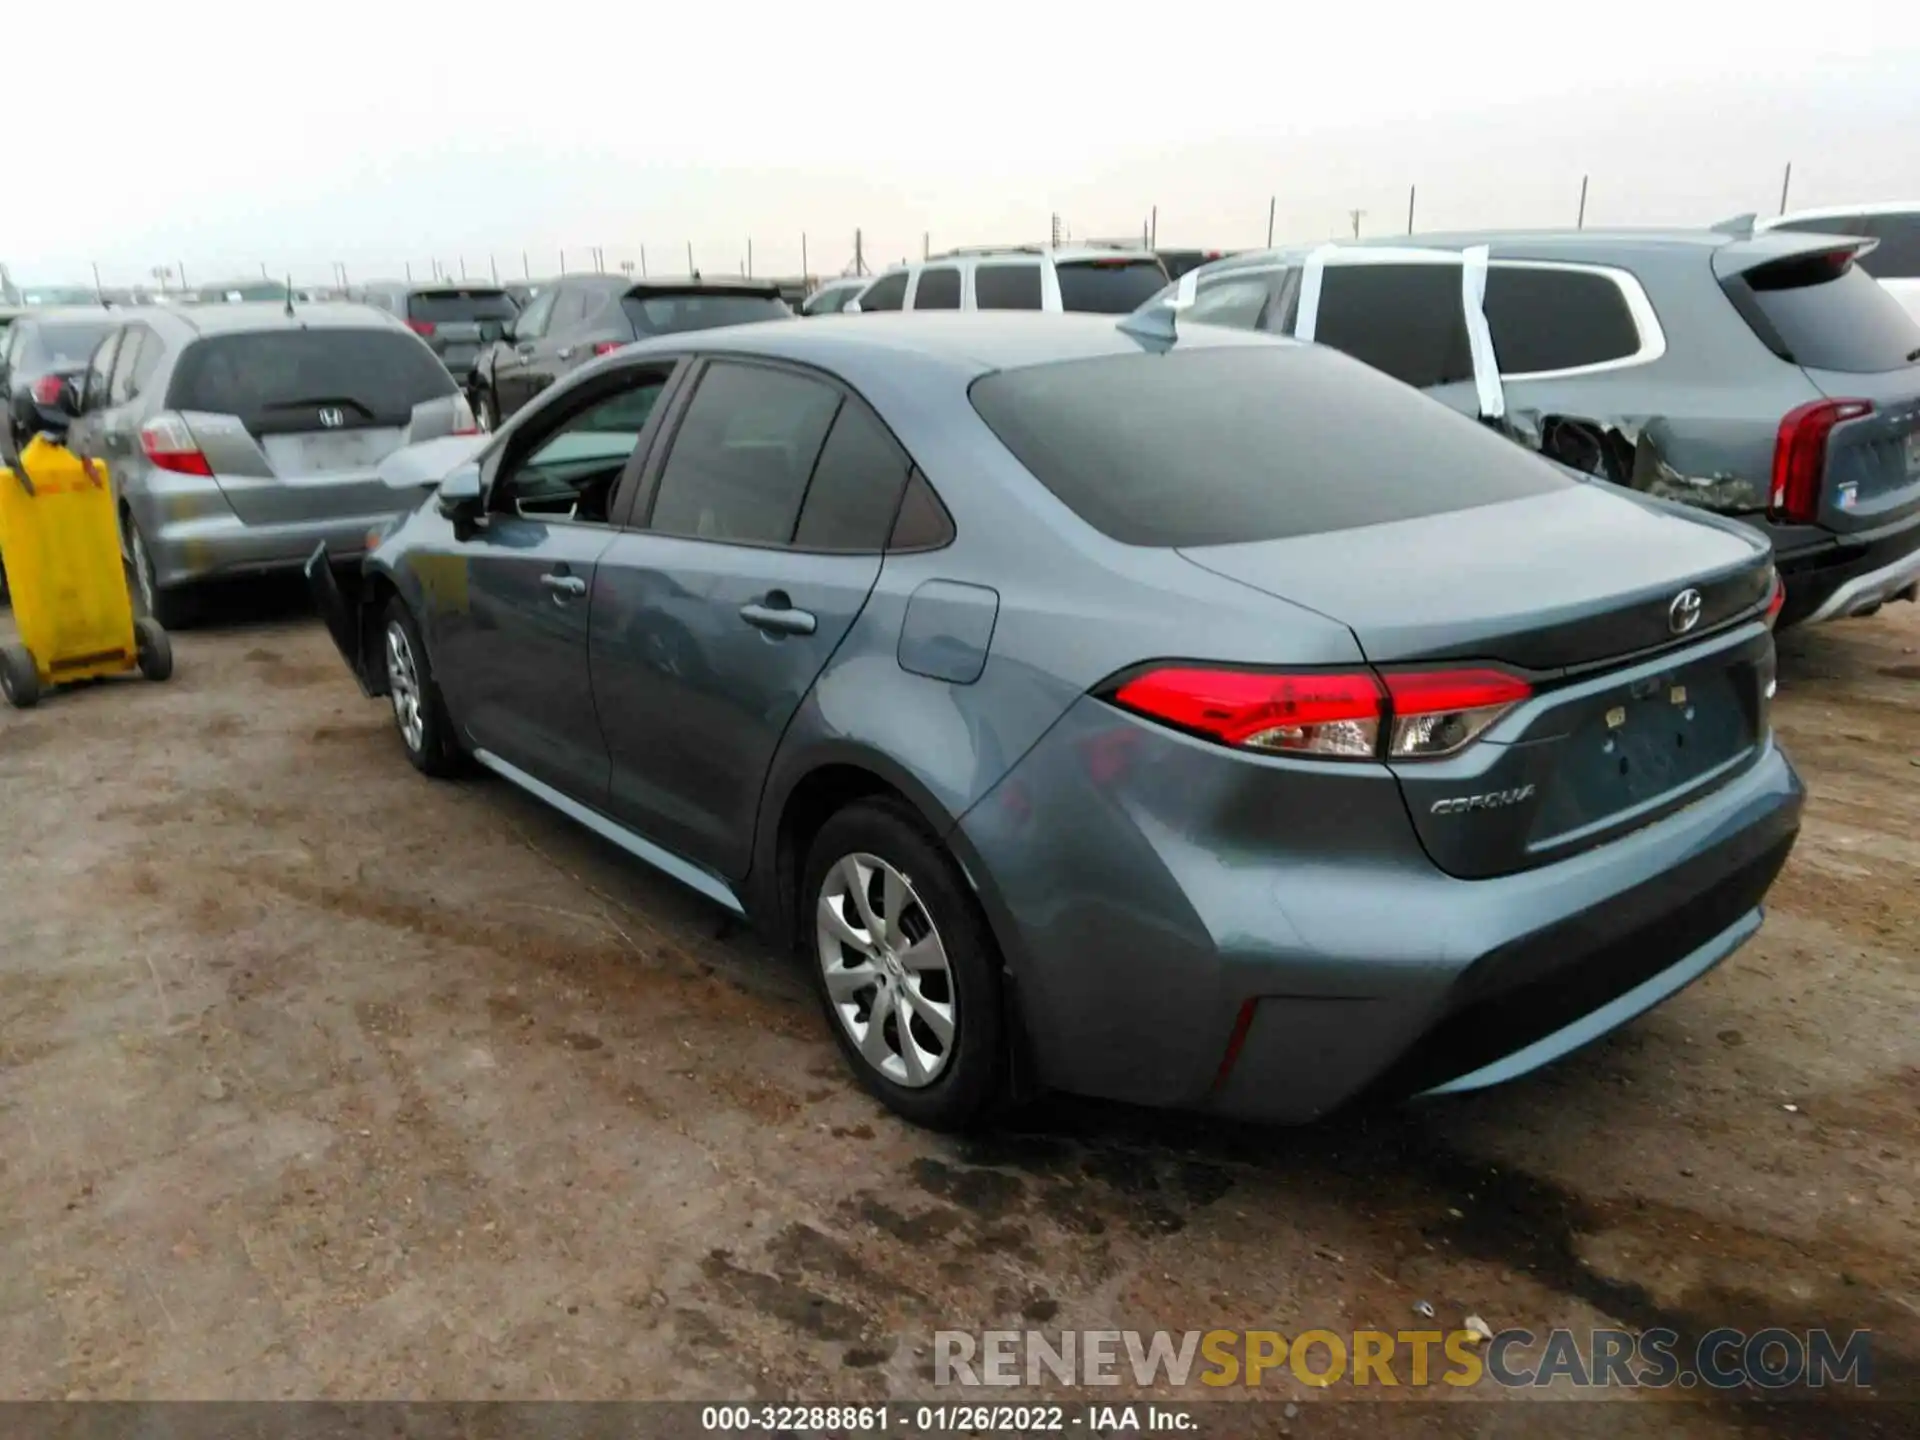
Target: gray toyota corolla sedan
{"x":1213,"y":723}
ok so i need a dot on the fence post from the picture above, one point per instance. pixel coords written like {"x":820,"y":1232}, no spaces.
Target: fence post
{"x":1273,"y":203}
{"x":1580,"y":221}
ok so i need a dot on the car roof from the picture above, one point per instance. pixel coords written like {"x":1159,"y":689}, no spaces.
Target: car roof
{"x":962,"y":343}
{"x":69,"y":314}
{"x":1841,"y":212}
{"x":249,"y":317}
{"x":431,"y":287}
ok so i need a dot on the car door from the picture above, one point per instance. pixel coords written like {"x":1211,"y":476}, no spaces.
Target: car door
{"x":116,"y":424}
{"x":756,"y":540}
{"x":513,"y":383}
{"x":512,"y":657}
{"x":84,"y":436}
{"x":554,"y":352}
{"x":1413,"y":313}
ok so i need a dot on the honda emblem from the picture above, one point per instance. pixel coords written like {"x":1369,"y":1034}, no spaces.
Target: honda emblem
{"x":331,"y":418}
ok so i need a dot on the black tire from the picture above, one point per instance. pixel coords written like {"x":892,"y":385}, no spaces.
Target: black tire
{"x":171,"y":607}
{"x":431,"y":745}
{"x":973,"y":1078}
{"x":152,"y":647}
{"x":19,"y":679}
{"x":486,"y":409}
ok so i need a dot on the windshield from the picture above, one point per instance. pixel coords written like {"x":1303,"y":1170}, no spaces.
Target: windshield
{"x":1108,"y":287}
{"x":441,"y":307}
{"x":1257,"y":442}
{"x":669,"y":314}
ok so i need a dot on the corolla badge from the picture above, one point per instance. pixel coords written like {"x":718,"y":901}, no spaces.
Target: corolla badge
{"x":1684,"y":613}
{"x":1492,"y":800}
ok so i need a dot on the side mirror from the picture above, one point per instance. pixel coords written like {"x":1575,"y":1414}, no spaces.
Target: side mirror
{"x":459,"y":497}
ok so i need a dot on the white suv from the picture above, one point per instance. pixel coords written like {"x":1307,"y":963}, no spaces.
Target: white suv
{"x":1894,"y":262}
{"x":1100,"y":279}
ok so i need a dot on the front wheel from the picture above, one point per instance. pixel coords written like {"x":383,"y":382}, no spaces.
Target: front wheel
{"x":486,"y":410}
{"x":19,"y":677}
{"x":418,"y":713}
{"x":152,"y":648}
{"x":904,"y":966}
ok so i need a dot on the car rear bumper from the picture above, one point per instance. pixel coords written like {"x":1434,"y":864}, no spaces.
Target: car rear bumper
{"x":1184,"y":927}
{"x":208,"y":547}
{"x":1849,"y":577}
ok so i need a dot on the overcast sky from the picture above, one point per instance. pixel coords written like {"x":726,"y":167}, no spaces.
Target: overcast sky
{"x":225,"y":135}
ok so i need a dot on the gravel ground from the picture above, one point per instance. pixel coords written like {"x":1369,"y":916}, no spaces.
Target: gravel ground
{"x":320,"y":1079}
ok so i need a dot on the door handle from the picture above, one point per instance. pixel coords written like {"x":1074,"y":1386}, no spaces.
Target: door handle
{"x":778,"y":619}
{"x":564,"y":585}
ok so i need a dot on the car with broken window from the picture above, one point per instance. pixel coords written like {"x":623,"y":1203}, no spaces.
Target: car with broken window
{"x":1182,"y":716}
{"x":239,"y":436}
{"x":1763,"y":376}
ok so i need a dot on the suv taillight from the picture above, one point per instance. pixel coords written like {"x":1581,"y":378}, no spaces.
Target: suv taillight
{"x":46,"y":390}
{"x":420,"y":327}
{"x":605,"y":347}
{"x":1345,"y":715}
{"x":1800,"y":457}
{"x":169,"y":445}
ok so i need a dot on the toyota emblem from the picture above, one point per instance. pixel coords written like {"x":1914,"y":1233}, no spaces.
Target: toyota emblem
{"x":1684,"y":613}
{"x":333,"y":419}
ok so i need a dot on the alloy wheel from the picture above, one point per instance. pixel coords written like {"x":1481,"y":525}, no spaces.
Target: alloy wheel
{"x":886,"y":970}
{"x":403,"y":686}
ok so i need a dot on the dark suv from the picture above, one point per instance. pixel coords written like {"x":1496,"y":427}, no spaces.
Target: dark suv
{"x":458,"y":321}
{"x":1765,"y":377}
{"x":575,"y":318}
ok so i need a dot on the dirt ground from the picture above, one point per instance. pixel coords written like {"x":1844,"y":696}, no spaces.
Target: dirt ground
{"x":321,"y":1079}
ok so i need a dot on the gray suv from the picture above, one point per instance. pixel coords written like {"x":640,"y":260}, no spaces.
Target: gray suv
{"x":240,"y":436}
{"x":1765,"y":377}
{"x":458,"y":321}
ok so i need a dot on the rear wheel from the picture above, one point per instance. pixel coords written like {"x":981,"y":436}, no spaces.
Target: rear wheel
{"x":19,"y":678}
{"x":168,"y":606}
{"x":486,"y":410}
{"x":904,"y":965}
{"x":153,"y":648}
{"x":418,"y":713}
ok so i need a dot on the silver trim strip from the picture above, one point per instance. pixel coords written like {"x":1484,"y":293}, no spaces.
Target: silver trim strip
{"x":665,"y":861}
{"x":1872,"y":588}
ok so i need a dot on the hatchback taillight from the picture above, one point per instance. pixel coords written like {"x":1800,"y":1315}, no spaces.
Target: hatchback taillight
{"x":605,"y":347}
{"x":169,"y":445}
{"x":1777,"y":601}
{"x":46,"y":390}
{"x":1800,"y":457}
{"x":1335,"y":715}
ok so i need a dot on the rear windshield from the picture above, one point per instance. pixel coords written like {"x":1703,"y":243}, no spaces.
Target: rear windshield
{"x":275,"y":377}
{"x":1108,"y":287}
{"x":1826,"y":313}
{"x":443,"y":307}
{"x":66,"y":343}
{"x":1262,"y":442}
{"x":669,"y":314}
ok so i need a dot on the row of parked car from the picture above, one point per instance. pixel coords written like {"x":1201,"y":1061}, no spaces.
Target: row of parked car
{"x":1142,"y":704}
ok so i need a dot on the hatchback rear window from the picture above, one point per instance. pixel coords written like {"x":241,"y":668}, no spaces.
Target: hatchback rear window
{"x":656,"y":313}
{"x":272,"y":377}
{"x":1826,"y":313}
{"x":1261,"y":442}
{"x":1108,"y":287}
{"x":453,"y":307}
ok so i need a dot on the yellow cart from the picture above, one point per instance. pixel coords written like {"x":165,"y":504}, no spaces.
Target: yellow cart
{"x":60,"y":543}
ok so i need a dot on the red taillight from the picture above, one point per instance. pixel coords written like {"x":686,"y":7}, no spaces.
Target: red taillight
{"x":1777,"y":601}
{"x":1342,"y":716}
{"x":605,"y":347}
{"x":1800,"y":457}
{"x":420,"y":327}
{"x":169,"y":445}
{"x":46,"y":390}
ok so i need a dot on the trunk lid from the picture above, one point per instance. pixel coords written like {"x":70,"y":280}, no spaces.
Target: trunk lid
{"x":1808,"y":300}
{"x":1633,"y":714}
{"x":460,"y":321}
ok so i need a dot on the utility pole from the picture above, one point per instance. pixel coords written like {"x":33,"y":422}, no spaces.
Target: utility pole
{"x":1273,"y":204}
{"x":263,"y":271}
{"x":749,"y":270}
{"x":804,"y":272}
{"x":859,"y":256}
{"x":409,"y":265}
{"x":1411,"y":191}
{"x":1786,"y":182}
{"x":563,"y":262}
{"x":493,"y":268}
{"x":101,"y":295}
{"x":180,"y":269}
{"x":690,"y":269}
{"x":1055,"y":232}
{"x":1153,"y":230}
{"x":463,"y":267}
{"x":643,"y":262}
{"x":1580,"y":221}
{"x":1354,"y":215}
{"x":526,"y":270}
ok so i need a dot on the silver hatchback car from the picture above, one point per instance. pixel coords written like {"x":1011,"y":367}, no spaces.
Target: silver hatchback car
{"x":241,"y":436}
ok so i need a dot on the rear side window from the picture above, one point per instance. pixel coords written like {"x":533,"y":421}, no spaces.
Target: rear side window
{"x":1257,"y":442}
{"x":569,"y":309}
{"x":1108,"y":287}
{"x":1555,"y":319}
{"x":671,"y":314}
{"x":1826,"y":313}
{"x":742,"y":455}
{"x":939,"y":289}
{"x":1897,"y":256}
{"x":1004,"y":287}
{"x":273,"y":379}
{"x":856,"y":485}
{"x":1236,"y":300}
{"x":444,"y":307}
{"x":886,"y":293}
{"x":1407,"y":321}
